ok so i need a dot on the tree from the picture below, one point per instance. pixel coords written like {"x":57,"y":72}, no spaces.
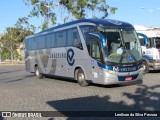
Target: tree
{"x":81,"y":8}
{"x":12,"y":39}
{"x":77,"y":9}
{"x":23,"y":22}
{"x":43,"y":9}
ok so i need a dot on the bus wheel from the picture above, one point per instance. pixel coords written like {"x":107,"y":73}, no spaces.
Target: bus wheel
{"x":38,"y":74}
{"x":146,"y":67}
{"x":81,"y":78}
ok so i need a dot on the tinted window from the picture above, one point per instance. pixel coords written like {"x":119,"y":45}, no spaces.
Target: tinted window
{"x":30,"y":44}
{"x":34,"y":43}
{"x":73,"y":38}
{"x":50,"y":40}
{"x":41,"y":42}
{"x":70,"y":38}
{"x":53,"y":43}
{"x":142,"y":41}
{"x":61,"y":39}
{"x":27,"y":44}
{"x":95,"y":50}
{"x":93,"y":46}
{"x":157,"y":41}
{"x":88,"y":29}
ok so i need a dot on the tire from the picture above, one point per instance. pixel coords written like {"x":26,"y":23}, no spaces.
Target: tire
{"x":38,"y":74}
{"x":146,"y":67}
{"x":81,"y":78}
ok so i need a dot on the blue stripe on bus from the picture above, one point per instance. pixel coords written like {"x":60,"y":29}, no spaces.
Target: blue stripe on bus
{"x":120,"y":68}
{"x":145,"y":38}
{"x":105,"y":66}
{"x":102,"y":38}
{"x":148,"y":57}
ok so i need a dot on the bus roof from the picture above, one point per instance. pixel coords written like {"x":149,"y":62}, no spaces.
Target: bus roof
{"x":109,"y":23}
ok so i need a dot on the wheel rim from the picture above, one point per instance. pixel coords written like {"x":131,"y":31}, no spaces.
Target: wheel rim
{"x":81,"y":77}
{"x":144,"y":67}
{"x":37,"y":72}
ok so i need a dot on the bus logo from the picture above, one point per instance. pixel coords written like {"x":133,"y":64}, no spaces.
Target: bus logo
{"x":70,"y":55}
{"x":116,"y":69}
{"x":130,"y":58}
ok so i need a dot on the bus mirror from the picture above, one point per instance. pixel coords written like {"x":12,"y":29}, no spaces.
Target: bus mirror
{"x":101,"y":38}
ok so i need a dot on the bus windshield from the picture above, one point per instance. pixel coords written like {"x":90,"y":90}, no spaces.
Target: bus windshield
{"x":122,"y":45}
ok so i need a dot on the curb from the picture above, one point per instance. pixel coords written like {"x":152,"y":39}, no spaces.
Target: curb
{"x":10,"y":64}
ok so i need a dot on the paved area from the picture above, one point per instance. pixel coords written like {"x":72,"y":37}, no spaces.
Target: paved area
{"x":22,"y":91}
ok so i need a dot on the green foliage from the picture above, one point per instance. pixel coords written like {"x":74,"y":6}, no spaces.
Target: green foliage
{"x":77,"y":9}
{"x":43,"y":9}
{"x":23,"y":23}
{"x":12,"y":39}
{"x":81,"y":8}
{"x":34,"y":1}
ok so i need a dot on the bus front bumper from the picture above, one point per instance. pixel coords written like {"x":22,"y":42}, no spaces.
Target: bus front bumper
{"x":127,"y":77}
{"x":154,"y":65}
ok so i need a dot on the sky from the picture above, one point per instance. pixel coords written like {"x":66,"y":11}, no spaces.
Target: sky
{"x":136,"y":12}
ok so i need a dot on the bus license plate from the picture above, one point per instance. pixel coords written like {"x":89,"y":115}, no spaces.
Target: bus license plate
{"x":128,"y":78}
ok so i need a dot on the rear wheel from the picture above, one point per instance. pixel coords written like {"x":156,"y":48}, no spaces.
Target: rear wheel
{"x":145,"y":66}
{"x":38,"y":74}
{"x":81,"y":78}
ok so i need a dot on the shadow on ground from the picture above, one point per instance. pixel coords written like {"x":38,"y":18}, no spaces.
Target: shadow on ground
{"x":96,"y":85}
{"x":10,"y":71}
{"x":154,"y":71}
{"x":15,"y":79}
{"x":144,"y":99}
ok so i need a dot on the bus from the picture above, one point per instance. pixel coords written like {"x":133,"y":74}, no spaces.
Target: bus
{"x":101,"y":51}
{"x":150,"y":51}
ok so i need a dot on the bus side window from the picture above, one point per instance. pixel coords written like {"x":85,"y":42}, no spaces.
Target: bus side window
{"x":34,"y":43}
{"x":93,"y":46}
{"x":95,"y":50}
{"x":77,"y":42}
{"x":73,"y":38}
{"x":142,"y":41}
{"x":61,"y":38}
{"x":50,"y":40}
{"x":27,"y":44}
{"x":41,"y":42}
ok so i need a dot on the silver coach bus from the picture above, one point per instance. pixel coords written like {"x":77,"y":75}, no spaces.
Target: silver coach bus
{"x":101,"y":51}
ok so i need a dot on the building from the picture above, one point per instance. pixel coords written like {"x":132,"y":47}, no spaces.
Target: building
{"x":148,"y":30}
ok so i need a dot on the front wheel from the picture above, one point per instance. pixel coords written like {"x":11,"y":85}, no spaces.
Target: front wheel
{"x":145,"y":66}
{"x":38,"y":74}
{"x":81,"y":78}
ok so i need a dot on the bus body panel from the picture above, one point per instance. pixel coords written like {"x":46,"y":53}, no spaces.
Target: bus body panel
{"x":63,"y":61}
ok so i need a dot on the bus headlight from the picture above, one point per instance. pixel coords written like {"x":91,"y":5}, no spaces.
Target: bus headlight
{"x":111,"y":71}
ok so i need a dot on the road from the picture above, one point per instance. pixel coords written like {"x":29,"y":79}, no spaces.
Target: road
{"x":22,"y":91}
